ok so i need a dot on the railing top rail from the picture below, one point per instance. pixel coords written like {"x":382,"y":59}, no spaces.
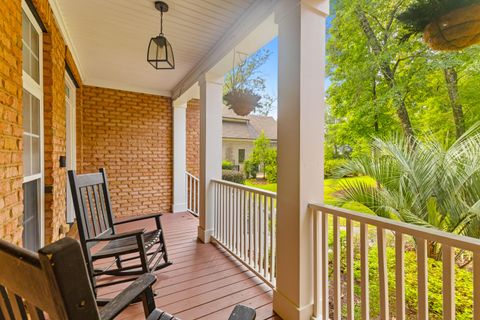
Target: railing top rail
{"x":191,"y":175}
{"x":246,"y":188}
{"x":453,"y":240}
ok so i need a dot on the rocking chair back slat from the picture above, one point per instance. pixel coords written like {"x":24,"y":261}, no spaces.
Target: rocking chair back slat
{"x":90,"y":197}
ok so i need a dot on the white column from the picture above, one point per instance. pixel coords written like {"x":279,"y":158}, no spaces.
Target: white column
{"x":211,"y":102}
{"x":179,"y":156}
{"x":301,"y":110}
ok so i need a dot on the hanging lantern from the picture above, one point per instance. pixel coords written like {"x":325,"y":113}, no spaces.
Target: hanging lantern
{"x":160,"y":52}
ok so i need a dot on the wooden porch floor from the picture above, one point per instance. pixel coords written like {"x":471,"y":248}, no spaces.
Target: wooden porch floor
{"x":204,"y":282}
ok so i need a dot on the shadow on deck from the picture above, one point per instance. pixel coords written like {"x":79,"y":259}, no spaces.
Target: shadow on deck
{"x":204,"y":282}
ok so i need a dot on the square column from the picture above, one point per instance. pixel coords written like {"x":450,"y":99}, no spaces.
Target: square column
{"x":301,"y":125}
{"x":211,"y":102}
{"x":179,"y":156}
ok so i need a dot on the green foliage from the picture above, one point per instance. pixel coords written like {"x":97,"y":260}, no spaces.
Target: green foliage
{"x":427,"y":185}
{"x":271,"y":165}
{"x":463,"y":285}
{"x":363,"y":100}
{"x":250,"y":168}
{"x":423,"y":12}
{"x":227,"y":165}
{"x":246,"y":77}
{"x":332,"y":166}
{"x":233,"y":176}
{"x":264,"y":157}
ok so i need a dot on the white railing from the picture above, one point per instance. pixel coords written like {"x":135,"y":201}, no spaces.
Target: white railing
{"x":245,"y":220}
{"x":192,"y":184}
{"x":335,"y":264}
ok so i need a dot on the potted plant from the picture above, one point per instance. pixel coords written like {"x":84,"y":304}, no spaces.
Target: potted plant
{"x":245,"y":86}
{"x":446,"y":24}
{"x":241,"y":100}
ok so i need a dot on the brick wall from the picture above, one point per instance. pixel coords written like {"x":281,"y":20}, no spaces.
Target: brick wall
{"x":130,"y":134}
{"x":55,"y":53}
{"x":193,"y":137}
{"x":11,"y":128}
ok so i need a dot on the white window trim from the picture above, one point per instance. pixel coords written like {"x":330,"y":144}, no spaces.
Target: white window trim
{"x":71,"y":123}
{"x":36,"y":89}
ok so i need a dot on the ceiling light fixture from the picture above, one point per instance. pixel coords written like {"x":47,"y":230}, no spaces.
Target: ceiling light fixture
{"x":160,"y":52}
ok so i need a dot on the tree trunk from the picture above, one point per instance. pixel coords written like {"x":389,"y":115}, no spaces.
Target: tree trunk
{"x":451,"y":79}
{"x":387,"y":72}
{"x":374,"y":93}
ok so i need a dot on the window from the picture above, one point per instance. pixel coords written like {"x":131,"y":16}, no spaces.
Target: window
{"x":33,"y":184}
{"x":241,"y":155}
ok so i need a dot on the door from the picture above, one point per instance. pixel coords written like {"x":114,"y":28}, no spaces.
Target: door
{"x":70,"y":103}
{"x":32,"y":103}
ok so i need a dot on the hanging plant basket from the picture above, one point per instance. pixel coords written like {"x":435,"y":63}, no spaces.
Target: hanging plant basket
{"x":456,"y":30}
{"x":242,"y":102}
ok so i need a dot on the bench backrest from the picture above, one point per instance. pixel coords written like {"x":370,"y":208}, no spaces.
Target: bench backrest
{"x":34,"y":285}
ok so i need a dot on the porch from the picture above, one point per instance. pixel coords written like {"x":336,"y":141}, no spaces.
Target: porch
{"x":204,"y":282}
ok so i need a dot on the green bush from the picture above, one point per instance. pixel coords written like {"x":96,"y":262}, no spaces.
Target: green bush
{"x":251,"y":169}
{"x":332,"y":166}
{"x":233,"y":176}
{"x":227,"y":165}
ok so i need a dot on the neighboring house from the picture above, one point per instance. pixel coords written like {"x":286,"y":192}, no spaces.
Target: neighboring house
{"x":240,"y":132}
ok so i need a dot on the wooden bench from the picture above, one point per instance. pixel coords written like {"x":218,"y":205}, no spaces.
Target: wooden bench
{"x":54,"y":284}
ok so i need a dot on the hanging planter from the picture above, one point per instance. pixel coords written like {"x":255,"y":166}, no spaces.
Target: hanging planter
{"x":241,"y":101}
{"x":446,"y":24}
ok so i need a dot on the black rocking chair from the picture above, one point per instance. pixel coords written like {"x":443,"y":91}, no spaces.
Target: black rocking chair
{"x":54,"y":284}
{"x":134,"y":253}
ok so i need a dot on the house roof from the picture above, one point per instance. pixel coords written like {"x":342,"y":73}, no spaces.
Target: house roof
{"x":249,"y":127}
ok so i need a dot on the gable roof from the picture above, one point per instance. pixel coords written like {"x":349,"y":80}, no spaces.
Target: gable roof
{"x":248,"y":127}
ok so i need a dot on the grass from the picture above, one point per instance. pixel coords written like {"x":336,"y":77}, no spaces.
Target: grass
{"x":333,"y":189}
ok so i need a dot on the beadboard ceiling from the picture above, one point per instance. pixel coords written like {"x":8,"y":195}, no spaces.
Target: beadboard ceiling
{"x":110,"y":38}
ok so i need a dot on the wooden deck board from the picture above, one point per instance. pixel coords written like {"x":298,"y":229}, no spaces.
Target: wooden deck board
{"x":204,"y":282}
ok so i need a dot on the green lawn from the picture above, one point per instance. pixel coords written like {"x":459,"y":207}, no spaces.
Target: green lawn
{"x":333,"y":188}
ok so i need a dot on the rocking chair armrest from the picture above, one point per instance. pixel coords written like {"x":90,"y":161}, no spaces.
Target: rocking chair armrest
{"x":117,"y":236}
{"x":125,"y":298}
{"x":138,"y":218}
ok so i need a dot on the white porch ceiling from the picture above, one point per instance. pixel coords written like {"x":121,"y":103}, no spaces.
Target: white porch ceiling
{"x":110,"y":38}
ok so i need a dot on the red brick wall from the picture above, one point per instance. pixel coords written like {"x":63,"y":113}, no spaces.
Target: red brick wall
{"x":193,"y":137}
{"x":11,"y":128}
{"x":130,"y":134}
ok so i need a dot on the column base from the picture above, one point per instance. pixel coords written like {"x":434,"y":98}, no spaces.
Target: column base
{"x":286,"y":309}
{"x":179,"y":207}
{"x":204,"y":235}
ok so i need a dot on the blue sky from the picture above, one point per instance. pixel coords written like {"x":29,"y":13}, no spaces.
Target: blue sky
{"x":270,"y":69}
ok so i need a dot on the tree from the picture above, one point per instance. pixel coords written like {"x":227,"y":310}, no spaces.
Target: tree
{"x":385,"y":79}
{"x":264,"y":157}
{"x":429,"y":185}
{"x":246,"y":75}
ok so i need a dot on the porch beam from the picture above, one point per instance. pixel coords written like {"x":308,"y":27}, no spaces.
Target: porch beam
{"x":243,"y":26}
{"x":179,"y":156}
{"x":211,"y":102}
{"x":301,"y":110}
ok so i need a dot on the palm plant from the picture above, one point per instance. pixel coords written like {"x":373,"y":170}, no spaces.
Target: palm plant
{"x":422,"y":182}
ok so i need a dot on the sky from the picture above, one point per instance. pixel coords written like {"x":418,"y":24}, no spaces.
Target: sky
{"x":270,"y":69}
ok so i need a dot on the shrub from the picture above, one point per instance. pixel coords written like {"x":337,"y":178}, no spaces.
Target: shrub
{"x":332,"y":166}
{"x":227,"y":165}
{"x":251,"y":169}
{"x":233,"y":176}
{"x":271,"y":166}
